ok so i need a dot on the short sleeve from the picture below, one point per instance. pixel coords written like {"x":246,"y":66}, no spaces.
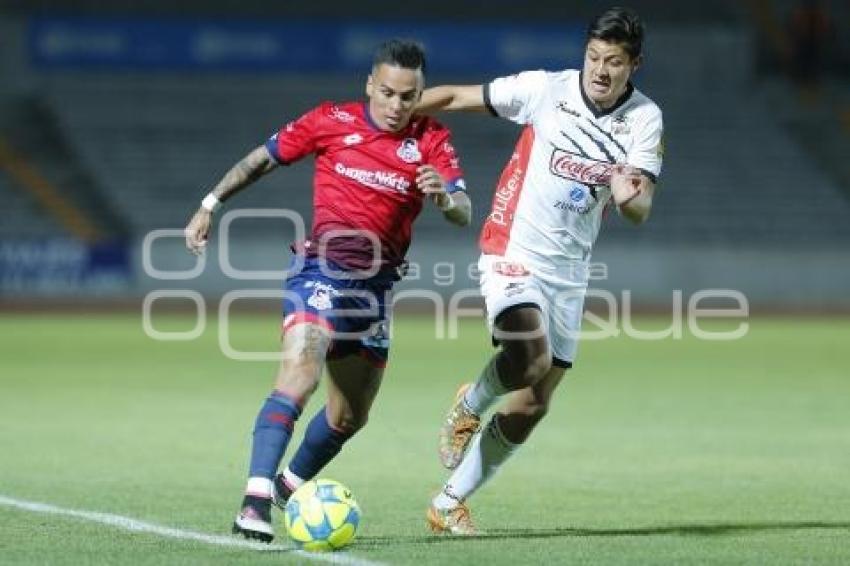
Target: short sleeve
{"x":297,"y":138}
{"x":647,"y":152}
{"x":516,"y":97}
{"x":446,"y":161}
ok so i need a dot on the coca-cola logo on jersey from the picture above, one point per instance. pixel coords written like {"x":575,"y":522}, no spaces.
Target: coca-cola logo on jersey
{"x":577,"y":168}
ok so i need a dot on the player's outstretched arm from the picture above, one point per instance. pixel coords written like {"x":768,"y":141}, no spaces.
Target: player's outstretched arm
{"x":452,"y":97}
{"x":246,"y":171}
{"x":632,"y":192}
{"x":456,"y":207}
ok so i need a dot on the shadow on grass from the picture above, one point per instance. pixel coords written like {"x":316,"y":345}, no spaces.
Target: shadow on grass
{"x":714,"y":529}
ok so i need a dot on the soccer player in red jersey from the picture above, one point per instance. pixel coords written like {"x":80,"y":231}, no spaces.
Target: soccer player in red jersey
{"x":376,"y":163}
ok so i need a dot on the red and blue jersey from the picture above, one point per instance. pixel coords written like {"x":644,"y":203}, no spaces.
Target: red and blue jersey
{"x":365,"y":192}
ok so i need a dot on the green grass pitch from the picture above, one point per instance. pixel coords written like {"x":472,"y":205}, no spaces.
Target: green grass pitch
{"x":674,"y":451}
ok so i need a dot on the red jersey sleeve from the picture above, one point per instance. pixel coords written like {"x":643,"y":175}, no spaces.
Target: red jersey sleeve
{"x":297,"y":138}
{"x":443,"y":157}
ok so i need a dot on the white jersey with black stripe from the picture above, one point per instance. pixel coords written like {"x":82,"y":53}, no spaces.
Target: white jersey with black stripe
{"x":549,"y":202}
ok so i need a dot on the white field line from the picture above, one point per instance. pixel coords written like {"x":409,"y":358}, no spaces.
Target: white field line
{"x":130,"y":524}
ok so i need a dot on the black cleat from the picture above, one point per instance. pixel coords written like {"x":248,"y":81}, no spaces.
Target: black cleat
{"x":254,"y":521}
{"x":281,"y":492}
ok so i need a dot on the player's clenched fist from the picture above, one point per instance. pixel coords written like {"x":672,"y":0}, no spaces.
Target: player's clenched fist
{"x":431,"y":183}
{"x":198,"y":231}
{"x":625,"y":184}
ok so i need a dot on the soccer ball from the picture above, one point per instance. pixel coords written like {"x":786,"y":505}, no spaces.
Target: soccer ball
{"x":321,"y":515}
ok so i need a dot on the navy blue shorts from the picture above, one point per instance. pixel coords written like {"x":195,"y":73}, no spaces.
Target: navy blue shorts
{"x":353,"y":309}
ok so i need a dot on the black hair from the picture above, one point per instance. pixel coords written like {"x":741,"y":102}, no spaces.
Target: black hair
{"x":403,"y":53}
{"x":619,"y":25}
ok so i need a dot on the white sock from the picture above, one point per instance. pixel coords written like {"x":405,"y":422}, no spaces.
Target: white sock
{"x":259,"y":487}
{"x":489,"y":449}
{"x":446,"y":499}
{"x":293,"y":481}
{"x":486,"y":390}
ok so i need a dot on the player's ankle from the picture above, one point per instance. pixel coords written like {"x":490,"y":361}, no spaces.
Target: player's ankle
{"x":468,"y":408}
{"x":446,"y":500}
{"x":259,"y":487}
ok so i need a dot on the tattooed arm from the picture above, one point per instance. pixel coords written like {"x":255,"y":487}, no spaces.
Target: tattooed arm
{"x":247,"y":171}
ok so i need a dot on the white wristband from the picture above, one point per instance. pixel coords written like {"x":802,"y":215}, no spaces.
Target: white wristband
{"x":211,"y":203}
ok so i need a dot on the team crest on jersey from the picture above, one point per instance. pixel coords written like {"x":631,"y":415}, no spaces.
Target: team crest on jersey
{"x":621,"y":126}
{"x":577,"y":168}
{"x":322,"y":296}
{"x":408,"y":151}
{"x":352,"y":139}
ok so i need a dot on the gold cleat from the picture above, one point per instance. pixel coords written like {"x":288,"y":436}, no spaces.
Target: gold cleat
{"x":456,"y":521}
{"x":460,"y":426}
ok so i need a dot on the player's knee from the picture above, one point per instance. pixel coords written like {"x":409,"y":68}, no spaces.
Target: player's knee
{"x":299,"y":380}
{"x":537,"y":366}
{"x":306,"y":344}
{"x":525,"y":366}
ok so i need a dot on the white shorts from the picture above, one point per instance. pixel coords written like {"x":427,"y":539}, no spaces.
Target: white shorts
{"x":507,"y":284}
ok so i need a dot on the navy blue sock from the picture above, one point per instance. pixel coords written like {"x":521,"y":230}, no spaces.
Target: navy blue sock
{"x":321,"y":443}
{"x":272,"y":432}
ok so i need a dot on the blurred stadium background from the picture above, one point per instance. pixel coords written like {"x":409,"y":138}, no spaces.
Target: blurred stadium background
{"x":117,"y":117}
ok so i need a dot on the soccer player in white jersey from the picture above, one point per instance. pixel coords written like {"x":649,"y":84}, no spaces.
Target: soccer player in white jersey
{"x":590,"y":141}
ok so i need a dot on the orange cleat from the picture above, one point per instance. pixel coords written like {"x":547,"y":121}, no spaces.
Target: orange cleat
{"x":460,"y":426}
